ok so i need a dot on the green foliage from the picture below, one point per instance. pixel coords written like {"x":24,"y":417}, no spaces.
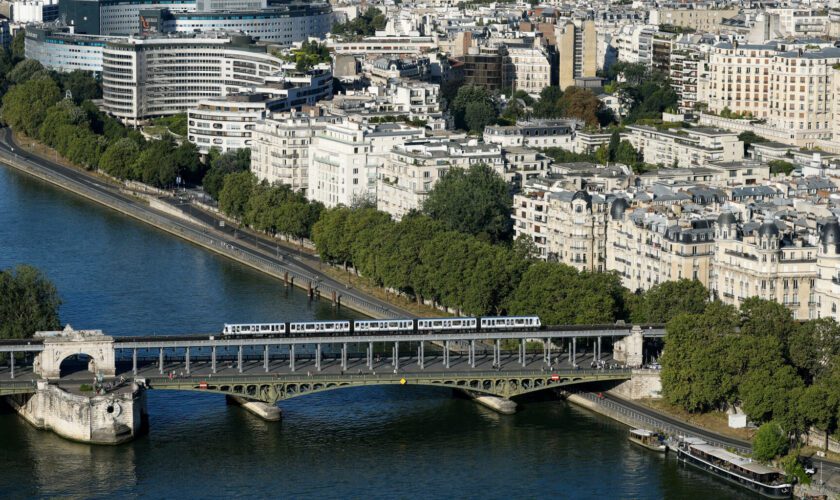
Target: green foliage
{"x":28,"y":303}
{"x":645,"y":91}
{"x":177,"y":124}
{"x":794,"y":470}
{"x":365,"y":24}
{"x":18,"y":47}
{"x":25,"y":71}
{"x":627,"y":154}
{"x":575,"y":102}
{"x":83,"y":86}
{"x":667,"y":300}
{"x":769,"y":442}
{"x":477,"y":104}
{"x":85,"y":388}
{"x":309,"y":55}
{"x":222,"y":165}
{"x":749,"y":138}
{"x":279,"y":210}
{"x":560,"y":155}
{"x":561,"y":295}
{"x":236,"y":192}
{"x":118,"y":158}
{"x":475,"y":201}
{"x":25,"y":105}
{"x":780,"y":166}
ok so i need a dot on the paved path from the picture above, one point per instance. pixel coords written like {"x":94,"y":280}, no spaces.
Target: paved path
{"x":103,"y":187}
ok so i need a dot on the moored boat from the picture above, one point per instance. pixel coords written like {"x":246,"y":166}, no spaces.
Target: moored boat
{"x":649,"y":439}
{"x":766,"y":481}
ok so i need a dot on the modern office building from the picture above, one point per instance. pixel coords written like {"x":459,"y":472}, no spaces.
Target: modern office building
{"x":59,"y":50}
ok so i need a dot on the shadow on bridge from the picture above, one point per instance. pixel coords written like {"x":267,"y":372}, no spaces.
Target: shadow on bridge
{"x":272,"y":389}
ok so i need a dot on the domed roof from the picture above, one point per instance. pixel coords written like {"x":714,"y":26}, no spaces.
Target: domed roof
{"x":582,"y":195}
{"x":830,"y":232}
{"x":618,"y":207}
{"x":726,"y":218}
{"x":768,"y":229}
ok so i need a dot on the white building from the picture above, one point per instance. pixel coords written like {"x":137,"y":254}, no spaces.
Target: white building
{"x":535,"y":134}
{"x":61,"y":51}
{"x":345,"y":157}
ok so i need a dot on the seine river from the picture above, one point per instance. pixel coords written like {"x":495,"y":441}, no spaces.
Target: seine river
{"x":126,"y":278}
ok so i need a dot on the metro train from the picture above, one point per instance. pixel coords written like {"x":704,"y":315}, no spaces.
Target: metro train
{"x":392,"y":326}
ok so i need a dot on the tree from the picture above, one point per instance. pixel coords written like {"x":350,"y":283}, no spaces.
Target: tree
{"x":749,"y":138}
{"x":695,"y":375}
{"x":762,"y":317}
{"x":666,"y":300}
{"x":478,"y":115}
{"x":769,"y":442}
{"x":481,"y":101}
{"x":222,"y":165}
{"x":328,"y":234}
{"x":25,"y":70}
{"x":82,"y":85}
{"x":25,"y":105}
{"x":612,"y":148}
{"x":626,"y":154}
{"x":475,"y":201}
{"x":28,"y":303}
{"x":813,"y":348}
{"x":19,"y":46}
{"x":780,"y":166}
{"x":582,"y":104}
{"x":560,"y":295}
{"x":118,"y":159}
{"x":235,"y":192}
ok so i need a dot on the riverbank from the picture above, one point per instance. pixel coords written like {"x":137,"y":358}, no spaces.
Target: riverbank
{"x":637,"y":415}
{"x":283,"y":267}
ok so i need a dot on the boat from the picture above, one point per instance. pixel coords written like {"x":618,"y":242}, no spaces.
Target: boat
{"x":744,"y":472}
{"x":648,"y":439}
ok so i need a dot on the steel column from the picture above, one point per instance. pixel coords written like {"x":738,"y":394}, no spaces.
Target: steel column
{"x":187,"y":356}
{"x":134,"y":362}
{"x":446,"y":353}
{"x":265,"y":358}
{"x":599,"y":348}
{"x":498,"y":353}
{"x":318,"y":357}
{"x":240,"y":359}
{"x":370,"y":355}
{"x":574,"y":351}
{"x":545,"y":351}
{"x":12,"y":363}
{"x":292,"y":357}
{"x":422,"y":355}
{"x":396,"y":357}
{"x":344,"y":356}
{"x":160,"y":365}
{"x":213,"y":360}
{"x":523,"y":350}
{"x":472,"y":353}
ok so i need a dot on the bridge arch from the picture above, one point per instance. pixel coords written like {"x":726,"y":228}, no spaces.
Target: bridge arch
{"x":58,"y":346}
{"x":274,"y":390}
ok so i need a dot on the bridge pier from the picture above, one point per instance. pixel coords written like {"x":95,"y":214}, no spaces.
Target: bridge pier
{"x":598,"y":353}
{"x":421,"y":358}
{"x":318,"y":356}
{"x":574,"y":351}
{"x":396,"y":357}
{"x":134,"y":362}
{"x":160,"y":361}
{"x":263,"y":410}
{"x":370,"y":356}
{"x":265,"y":358}
{"x":291,"y":357}
{"x":187,"y":358}
{"x":344,"y":356}
{"x":446,"y":354}
{"x":12,"y":364}
{"x":213,"y":360}
{"x":239,"y":359}
{"x":522,"y":352}
{"x":472,"y":354}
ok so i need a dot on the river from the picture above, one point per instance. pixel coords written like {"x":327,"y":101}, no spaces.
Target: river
{"x":127,"y":278}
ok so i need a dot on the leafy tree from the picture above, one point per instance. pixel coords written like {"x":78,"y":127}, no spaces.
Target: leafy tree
{"x":561,"y":295}
{"x":81,"y":84}
{"x":25,"y":70}
{"x":18,"y":47}
{"x":626,"y":154}
{"x":772,"y":393}
{"x":329,"y":236}
{"x":694,"y":376}
{"x":762,"y":317}
{"x":664,"y":301}
{"x":780,"y":166}
{"x":749,"y":138}
{"x":580,"y":103}
{"x":363,"y":25}
{"x":25,"y":105}
{"x":222,"y":165}
{"x":794,"y":471}
{"x":235,"y":193}
{"x":478,"y":115}
{"x":29,"y":303}
{"x":187,"y":164}
{"x":475,"y":201}
{"x":471,"y":95}
{"x":769,"y":442}
{"x":813,"y":348}
{"x":118,"y":160}
{"x":612,"y":148}
{"x":155,"y":165}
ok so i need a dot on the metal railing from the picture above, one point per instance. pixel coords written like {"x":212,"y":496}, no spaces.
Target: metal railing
{"x":654,"y":423}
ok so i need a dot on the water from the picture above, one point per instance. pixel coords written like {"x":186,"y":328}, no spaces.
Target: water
{"x":380,"y":442}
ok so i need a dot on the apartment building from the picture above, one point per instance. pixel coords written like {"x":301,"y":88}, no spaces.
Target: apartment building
{"x":703,"y":18}
{"x":534,"y":134}
{"x":414,"y":167}
{"x":345,"y":157}
{"x":693,"y":147}
{"x":577,"y":51}
{"x":738,"y":79}
{"x":280,"y":148}
{"x":647,"y":247}
{"x":685,"y":62}
{"x":529,"y":67}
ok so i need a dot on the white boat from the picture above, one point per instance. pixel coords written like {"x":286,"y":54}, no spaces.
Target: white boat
{"x":649,"y":439}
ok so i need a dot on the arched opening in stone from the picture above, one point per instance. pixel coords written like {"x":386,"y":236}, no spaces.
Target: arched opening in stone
{"x":76,"y":364}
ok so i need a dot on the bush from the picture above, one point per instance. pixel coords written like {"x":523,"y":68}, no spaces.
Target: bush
{"x":770,"y":442}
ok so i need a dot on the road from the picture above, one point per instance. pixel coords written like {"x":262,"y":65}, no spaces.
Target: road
{"x":227,"y":235}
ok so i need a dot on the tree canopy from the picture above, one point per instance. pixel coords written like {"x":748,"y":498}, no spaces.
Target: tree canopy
{"x":29,"y":303}
{"x":475,"y":201}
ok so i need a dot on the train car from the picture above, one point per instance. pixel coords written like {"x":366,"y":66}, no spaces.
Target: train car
{"x":428,"y":325}
{"x":319,"y":328}
{"x":254,"y":329}
{"x":510,"y":323}
{"x":383,"y":325}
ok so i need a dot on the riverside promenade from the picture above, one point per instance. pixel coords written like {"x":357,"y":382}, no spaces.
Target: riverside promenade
{"x":294,"y":270}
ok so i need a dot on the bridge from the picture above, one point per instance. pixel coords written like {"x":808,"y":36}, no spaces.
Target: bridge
{"x":490,"y":366}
